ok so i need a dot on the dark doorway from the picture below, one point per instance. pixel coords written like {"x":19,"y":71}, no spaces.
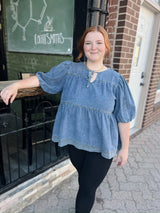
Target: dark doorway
{"x":87,"y":13}
{"x":3,"y":68}
{"x":81,"y":8}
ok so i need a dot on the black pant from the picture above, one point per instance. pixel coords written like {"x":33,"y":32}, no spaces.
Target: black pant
{"x":92,"y":168}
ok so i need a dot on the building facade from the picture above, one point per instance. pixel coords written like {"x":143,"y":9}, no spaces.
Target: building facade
{"x":133,"y":27}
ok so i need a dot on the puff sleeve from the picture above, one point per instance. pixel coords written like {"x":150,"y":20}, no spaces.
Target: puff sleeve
{"x":124,"y":108}
{"x":53,"y":81}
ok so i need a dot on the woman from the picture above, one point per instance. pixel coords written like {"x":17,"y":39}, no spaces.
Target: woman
{"x":93,"y":116}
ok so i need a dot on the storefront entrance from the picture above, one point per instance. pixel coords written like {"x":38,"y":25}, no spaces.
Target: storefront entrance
{"x":139,"y":77}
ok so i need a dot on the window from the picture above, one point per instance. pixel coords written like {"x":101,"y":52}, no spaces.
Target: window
{"x":137,"y":51}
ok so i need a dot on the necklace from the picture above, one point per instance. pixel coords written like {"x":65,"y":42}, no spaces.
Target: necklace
{"x":100,"y":69}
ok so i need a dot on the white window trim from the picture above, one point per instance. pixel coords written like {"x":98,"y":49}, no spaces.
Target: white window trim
{"x":152,"y":4}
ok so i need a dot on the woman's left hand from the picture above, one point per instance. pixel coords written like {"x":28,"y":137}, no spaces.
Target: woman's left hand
{"x":122,"y":157}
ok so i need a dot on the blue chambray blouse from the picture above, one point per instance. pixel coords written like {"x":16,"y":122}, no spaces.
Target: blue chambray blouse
{"x":88,"y":113}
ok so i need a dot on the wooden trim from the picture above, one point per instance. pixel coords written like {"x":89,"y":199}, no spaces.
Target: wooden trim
{"x":27,"y":92}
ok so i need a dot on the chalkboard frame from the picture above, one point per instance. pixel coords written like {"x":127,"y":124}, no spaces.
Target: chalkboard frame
{"x":52,"y":23}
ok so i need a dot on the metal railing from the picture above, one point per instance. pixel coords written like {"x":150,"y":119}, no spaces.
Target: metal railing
{"x":27,"y":150}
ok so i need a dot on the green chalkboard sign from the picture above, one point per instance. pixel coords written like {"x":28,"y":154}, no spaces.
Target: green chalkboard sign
{"x":40,"y":26}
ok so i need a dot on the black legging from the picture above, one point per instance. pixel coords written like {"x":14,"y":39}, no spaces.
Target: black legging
{"x":92,"y":168}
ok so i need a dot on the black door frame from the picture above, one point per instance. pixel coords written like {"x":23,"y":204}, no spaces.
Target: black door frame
{"x":80,"y":19}
{"x":3,"y":67}
{"x":87,"y":13}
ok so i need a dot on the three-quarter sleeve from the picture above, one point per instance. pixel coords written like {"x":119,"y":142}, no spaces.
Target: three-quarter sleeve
{"x":53,"y":81}
{"x":124,"y":108}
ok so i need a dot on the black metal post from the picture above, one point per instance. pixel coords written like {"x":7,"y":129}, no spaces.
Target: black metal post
{"x":98,"y":12}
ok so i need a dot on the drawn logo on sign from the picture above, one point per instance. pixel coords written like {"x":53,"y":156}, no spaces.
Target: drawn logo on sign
{"x":49,"y":37}
{"x":48,"y":25}
{"x":23,"y":22}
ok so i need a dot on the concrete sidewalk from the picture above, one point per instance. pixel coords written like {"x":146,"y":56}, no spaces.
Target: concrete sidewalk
{"x":135,"y":188}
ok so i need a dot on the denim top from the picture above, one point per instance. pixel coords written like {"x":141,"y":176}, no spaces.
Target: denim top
{"x":89,"y":112}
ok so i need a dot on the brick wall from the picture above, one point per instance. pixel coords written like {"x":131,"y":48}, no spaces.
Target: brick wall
{"x":121,"y":28}
{"x":152,"y":111}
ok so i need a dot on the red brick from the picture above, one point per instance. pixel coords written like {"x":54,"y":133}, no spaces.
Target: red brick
{"x":129,"y":24}
{"x":136,"y":7}
{"x":117,"y":54}
{"x":113,"y":9}
{"x":112,"y":23}
{"x":125,"y":49}
{"x":122,"y":17}
{"x":121,"y":23}
{"x":129,"y":55}
{"x":130,"y":3}
{"x":116,"y":60}
{"x":119,"y":36}
{"x":123,"y":3}
{"x":123,"y":60}
{"x":130,"y":11}
{"x":118,"y":48}
{"x":127,"y":66}
{"x":130,"y":44}
{"x":127,"y":37}
{"x":113,"y":16}
{"x":114,"y":2}
{"x":132,"y":32}
{"x":122,"y":9}
{"x":134,"y":20}
{"x":120,"y":29}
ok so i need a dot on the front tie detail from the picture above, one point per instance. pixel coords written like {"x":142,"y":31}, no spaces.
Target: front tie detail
{"x":91,"y":77}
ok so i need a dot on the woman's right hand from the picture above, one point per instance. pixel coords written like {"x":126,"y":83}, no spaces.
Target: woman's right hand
{"x":9,"y":93}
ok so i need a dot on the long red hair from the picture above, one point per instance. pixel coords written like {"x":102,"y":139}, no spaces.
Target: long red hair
{"x":97,"y":28}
